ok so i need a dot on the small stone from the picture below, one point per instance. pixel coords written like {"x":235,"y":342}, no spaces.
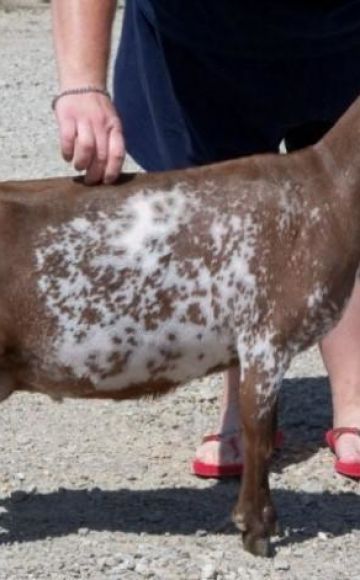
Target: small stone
{"x":18,"y":496}
{"x":323,"y":536}
{"x":142,"y":567}
{"x":31,"y":489}
{"x":20,"y":476}
{"x":160,"y":572}
{"x":83,"y":531}
{"x":155,"y":516}
{"x":208,"y":572}
{"x":200,"y":533}
{"x":313,"y":486}
{"x":102,"y":564}
{"x":281,"y":565}
{"x":193,"y":576}
{"x":127,"y":563}
{"x":110,"y":562}
{"x":307,"y":499}
{"x":231,"y":576}
{"x":218,"y":555}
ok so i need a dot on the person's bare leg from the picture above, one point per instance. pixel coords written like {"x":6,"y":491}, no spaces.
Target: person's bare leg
{"x":341,"y":354}
{"x":222,"y":452}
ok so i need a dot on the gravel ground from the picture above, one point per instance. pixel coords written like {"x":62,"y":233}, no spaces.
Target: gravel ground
{"x":103,"y":490}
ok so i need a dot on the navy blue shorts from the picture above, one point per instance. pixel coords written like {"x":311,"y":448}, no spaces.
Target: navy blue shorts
{"x":197,"y":82}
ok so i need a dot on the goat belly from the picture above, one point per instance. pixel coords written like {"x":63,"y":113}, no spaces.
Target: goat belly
{"x":119,"y":359}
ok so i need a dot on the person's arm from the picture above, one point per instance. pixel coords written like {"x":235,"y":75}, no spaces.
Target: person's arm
{"x":90,"y":130}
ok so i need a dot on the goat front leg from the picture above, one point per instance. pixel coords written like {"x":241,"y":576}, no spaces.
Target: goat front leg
{"x":254,"y":513}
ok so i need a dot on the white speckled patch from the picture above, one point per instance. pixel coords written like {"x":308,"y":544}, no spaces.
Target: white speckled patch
{"x":128,"y":306}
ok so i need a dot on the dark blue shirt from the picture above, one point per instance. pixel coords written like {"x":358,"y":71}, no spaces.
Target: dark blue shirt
{"x":198,"y":81}
{"x":265,"y":28}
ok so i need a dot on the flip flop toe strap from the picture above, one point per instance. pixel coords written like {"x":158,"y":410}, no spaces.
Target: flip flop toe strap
{"x":336,"y":433}
{"x":220,"y":436}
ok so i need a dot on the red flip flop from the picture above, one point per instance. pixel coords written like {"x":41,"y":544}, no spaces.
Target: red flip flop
{"x":209,"y":470}
{"x":349,"y":469}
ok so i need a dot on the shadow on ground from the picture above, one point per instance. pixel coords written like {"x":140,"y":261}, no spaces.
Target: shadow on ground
{"x":180,"y":511}
{"x":305,"y":414}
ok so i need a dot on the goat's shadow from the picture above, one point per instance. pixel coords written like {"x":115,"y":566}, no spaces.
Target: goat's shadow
{"x":63,"y":512}
{"x":305,"y":414}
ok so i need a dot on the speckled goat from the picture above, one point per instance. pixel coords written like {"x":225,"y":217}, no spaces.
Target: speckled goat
{"x":128,"y":290}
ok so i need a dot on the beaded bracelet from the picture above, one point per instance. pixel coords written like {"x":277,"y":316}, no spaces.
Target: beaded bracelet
{"x":79,"y":91}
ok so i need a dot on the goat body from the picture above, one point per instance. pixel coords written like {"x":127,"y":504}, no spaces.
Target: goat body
{"x":132,"y":289}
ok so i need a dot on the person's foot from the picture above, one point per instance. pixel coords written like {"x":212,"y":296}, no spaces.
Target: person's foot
{"x":220,"y":448}
{"x":219,"y":455}
{"x":345,"y":443}
{"x":347,"y":447}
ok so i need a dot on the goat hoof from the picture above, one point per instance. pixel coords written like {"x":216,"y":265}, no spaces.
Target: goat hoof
{"x":257,"y":546}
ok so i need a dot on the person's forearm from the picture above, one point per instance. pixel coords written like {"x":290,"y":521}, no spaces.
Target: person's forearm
{"x":82,"y":35}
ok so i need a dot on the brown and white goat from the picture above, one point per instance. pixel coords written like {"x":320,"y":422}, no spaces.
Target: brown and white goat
{"x":128,"y":290}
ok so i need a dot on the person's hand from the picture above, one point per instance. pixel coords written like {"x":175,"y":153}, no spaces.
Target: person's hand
{"x":91,"y":136}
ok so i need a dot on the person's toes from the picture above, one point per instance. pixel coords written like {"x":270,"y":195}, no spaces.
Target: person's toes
{"x":347,"y":448}
{"x":224,"y":450}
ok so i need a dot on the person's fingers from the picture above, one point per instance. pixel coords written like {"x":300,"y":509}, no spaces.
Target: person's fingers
{"x":95,"y":171}
{"x":67,"y":131}
{"x":91,"y":136}
{"x":85,"y":146}
{"x":116,"y":154}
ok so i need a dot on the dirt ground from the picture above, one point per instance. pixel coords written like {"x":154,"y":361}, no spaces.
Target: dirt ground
{"x":95,"y":490}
